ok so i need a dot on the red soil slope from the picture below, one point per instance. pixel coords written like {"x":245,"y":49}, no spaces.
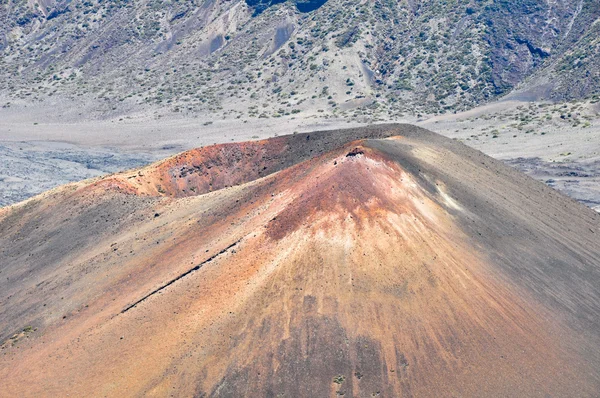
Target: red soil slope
{"x":370,"y":262}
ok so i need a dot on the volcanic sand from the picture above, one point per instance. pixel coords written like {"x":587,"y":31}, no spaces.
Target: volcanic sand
{"x":384,"y":260}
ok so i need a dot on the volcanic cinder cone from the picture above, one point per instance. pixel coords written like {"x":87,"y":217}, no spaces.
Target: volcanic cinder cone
{"x":385,"y":261}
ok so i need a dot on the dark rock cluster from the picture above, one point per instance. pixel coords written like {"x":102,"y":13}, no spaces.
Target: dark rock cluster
{"x":302,"y":5}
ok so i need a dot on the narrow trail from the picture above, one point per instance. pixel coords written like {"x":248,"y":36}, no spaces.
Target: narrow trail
{"x":186,"y":273}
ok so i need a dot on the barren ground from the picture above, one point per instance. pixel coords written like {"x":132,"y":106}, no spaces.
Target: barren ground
{"x":382,"y":261}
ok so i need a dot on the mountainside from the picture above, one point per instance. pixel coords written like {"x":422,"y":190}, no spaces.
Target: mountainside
{"x":383,"y":261}
{"x":269,"y":58}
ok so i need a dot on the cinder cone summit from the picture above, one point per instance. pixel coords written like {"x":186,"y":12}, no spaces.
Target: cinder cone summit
{"x":384,"y":261}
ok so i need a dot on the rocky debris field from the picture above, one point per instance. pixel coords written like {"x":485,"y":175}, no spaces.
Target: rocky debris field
{"x":29,"y":168}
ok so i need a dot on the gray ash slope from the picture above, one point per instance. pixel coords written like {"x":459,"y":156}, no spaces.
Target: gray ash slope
{"x":271,"y":57}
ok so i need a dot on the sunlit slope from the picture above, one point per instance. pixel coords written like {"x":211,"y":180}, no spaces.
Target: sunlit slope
{"x":386,"y":261}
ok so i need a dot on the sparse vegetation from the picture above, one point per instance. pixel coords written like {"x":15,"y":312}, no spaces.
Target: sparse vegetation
{"x":435,"y":61}
{"x":338,"y":379}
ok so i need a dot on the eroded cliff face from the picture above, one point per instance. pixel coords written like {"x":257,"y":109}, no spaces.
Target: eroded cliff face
{"x":524,"y":37}
{"x":386,"y":261}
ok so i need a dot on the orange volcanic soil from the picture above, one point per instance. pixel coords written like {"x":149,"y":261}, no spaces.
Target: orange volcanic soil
{"x":384,"y":261}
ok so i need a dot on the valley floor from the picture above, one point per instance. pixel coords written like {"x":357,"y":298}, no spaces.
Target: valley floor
{"x":558,"y":144}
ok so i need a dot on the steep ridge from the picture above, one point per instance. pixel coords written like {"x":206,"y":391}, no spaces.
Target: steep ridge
{"x":371,"y":262}
{"x":274,"y":58}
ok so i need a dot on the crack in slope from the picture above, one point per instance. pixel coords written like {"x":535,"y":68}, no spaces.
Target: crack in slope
{"x":186,"y":273}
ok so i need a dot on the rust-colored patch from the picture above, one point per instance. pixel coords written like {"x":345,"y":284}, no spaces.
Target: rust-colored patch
{"x":355,"y":187}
